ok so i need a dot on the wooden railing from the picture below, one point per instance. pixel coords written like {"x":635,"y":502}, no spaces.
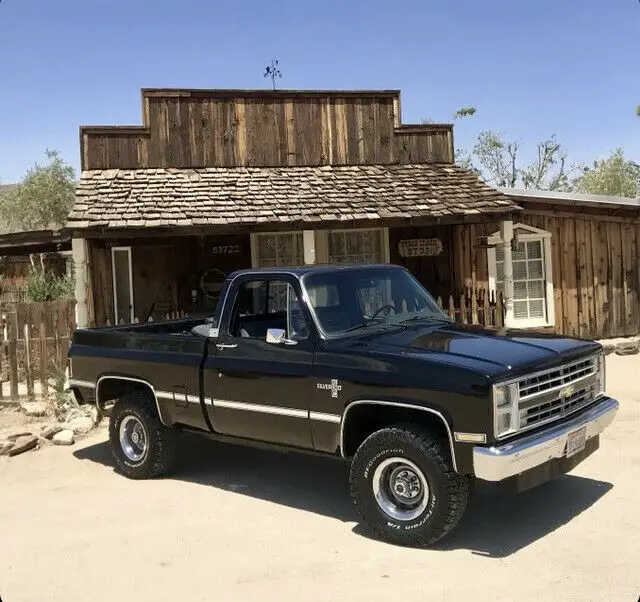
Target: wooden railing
{"x":34,"y":339}
{"x":475,"y":306}
{"x":172,"y":315}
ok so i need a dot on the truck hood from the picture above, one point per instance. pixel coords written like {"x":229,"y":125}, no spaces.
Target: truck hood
{"x":495,"y":353}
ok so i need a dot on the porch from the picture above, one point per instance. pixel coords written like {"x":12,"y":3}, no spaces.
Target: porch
{"x":152,"y":278}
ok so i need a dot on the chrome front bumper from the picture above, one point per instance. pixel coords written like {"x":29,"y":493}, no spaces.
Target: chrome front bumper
{"x":515,"y":457}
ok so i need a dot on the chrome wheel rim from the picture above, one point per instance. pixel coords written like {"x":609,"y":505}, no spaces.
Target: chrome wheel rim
{"x":400,"y":489}
{"x":133,"y":439}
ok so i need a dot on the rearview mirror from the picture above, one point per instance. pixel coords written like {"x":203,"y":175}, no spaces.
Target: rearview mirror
{"x":277,"y":336}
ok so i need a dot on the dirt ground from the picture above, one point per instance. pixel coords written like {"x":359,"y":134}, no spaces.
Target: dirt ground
{"x":241,"y":524}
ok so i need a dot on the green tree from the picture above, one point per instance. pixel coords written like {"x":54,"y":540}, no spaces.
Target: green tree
{"x":43,"y":198}
{"x":498,"y":162}
{"x":615,"y":176}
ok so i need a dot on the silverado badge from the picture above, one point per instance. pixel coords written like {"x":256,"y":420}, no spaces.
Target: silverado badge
{"x":333,"y":386}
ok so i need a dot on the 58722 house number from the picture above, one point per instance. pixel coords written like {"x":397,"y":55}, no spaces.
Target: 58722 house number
{"x":225,"y":249}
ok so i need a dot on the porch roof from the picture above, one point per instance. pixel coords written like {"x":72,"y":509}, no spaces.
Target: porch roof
{"x":260,"y":196}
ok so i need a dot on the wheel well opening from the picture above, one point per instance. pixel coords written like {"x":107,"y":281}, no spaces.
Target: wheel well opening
{"x":365,"y":419}
{"x":111,"y":389}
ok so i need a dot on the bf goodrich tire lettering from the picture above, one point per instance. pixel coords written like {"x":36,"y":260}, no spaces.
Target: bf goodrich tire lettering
{"x":159,"y":441}
{"x":392,"y":501}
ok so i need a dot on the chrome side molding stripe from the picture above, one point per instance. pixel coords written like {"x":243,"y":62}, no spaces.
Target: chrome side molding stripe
{"x":74,"y":382}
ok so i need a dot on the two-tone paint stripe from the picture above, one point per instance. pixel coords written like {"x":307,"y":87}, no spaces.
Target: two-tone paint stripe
{"x":234,"y":405}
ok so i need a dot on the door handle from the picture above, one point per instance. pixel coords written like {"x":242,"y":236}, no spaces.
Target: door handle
{"x":223,"y":346}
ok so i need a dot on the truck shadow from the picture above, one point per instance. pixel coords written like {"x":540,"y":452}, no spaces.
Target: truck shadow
{"x":496,"y":525}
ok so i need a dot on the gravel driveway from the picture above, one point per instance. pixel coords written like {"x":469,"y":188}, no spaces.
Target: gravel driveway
{"x":242,"y":524}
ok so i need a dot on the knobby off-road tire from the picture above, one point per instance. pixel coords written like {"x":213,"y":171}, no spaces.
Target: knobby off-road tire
{"x":406,"y":459}
{"x":142,"y":447}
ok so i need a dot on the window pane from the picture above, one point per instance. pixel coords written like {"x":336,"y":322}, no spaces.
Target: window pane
{"x":355,"y":247}
{"x":279,"y":249}
{"x":536,"y":309}
{"x":519,"y":254}
{"x":519,"y":290}
{"x":519,"y":270}
{"x":534,"y":249}
{"x":535,"y":268}
{"x":520,"y":310}
{"x":536,"y":289}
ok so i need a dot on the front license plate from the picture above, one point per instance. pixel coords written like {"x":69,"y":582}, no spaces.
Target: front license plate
{"x":576,"y":442}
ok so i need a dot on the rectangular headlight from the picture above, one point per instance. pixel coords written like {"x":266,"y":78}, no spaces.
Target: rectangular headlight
{"x":506,"y":417}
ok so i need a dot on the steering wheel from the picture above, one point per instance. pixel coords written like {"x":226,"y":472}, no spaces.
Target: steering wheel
{"x":375,"y":315}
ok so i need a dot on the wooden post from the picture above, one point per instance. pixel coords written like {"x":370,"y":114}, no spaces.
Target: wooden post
{"x":486,"y":310}
{"x":12,"y":349}
{"x":499,"y":308}
{"x":452,"y":308}
{"x":2,"y":354}
{"x":463,"y":309}
{"x":28,"y":360}
{"x":79,"y":250}
{"x":506,"y":231}
{"x":44,"y":360}
{"x":474,"y":307}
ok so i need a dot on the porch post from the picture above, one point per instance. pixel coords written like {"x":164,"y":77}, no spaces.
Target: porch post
{"x":79,"y":251}
{"x":309,"y":244}
{"x":506,"y":232}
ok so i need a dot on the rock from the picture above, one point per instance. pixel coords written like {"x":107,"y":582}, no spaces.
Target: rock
{"x":5,"y":447}
{"x":23,"y":444}
{"x":81,"y":424}
{"x":34,"y":408}
{"x":95,"y":415}
{"x":49,"y":431}
{"x":630,"y":348}
{"x":608,"y":348}
{"x":64,"y":437}
{"x":74,"y":413}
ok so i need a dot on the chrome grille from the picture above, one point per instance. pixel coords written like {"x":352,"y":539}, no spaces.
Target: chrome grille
{"x":555,"y":393}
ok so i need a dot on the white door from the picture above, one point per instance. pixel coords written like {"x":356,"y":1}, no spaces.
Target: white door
{"x":122,"y":284}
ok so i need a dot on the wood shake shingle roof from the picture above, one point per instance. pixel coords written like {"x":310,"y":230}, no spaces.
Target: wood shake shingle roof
{"x":136,"y":198}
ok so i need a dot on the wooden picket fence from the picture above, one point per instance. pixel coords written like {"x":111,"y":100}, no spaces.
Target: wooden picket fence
{"x":172,"y":315}
{"x":475,"y":306}
{"x":34,"y":339}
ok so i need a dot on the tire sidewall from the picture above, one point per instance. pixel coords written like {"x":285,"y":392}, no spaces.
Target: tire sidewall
{"x":126,"y":465}
{"x":363,"y":469}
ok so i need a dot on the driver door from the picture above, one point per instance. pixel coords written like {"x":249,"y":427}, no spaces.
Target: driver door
{"x":257,"y":389}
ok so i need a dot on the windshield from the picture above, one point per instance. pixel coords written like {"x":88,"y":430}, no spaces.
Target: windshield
{"x":344,"y":301}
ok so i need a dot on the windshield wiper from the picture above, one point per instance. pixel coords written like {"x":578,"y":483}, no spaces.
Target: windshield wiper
{"x":427,"y":319}
{"x":369,"y":323}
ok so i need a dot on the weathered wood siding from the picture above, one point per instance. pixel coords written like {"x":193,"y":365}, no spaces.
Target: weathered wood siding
{"x":435,"y":273}
{"x":596,"y":272}
{"x":208,"y":128}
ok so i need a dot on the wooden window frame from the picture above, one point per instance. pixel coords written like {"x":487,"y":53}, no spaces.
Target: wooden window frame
{"x":526,"y":233}
{"x":255,"y":248}
{"x":322,"y":242}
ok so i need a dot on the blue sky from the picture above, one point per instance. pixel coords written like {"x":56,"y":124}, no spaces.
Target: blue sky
{"x":532,"y":68}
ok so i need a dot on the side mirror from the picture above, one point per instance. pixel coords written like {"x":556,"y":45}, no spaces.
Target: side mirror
{"x":276,"y":336}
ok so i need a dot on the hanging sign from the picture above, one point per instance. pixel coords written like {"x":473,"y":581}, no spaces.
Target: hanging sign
{"x":420,"y":247}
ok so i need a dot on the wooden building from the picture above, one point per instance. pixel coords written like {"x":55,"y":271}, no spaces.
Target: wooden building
{"x":216,"y":180}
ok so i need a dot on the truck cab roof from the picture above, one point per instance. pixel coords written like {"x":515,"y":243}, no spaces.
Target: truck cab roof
{"x":302,"y":270}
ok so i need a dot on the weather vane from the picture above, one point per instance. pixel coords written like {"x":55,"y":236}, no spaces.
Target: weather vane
{"x":271,"y":71}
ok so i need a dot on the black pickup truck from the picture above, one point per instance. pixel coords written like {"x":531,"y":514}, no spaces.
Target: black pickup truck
{"x":356,"y":362}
